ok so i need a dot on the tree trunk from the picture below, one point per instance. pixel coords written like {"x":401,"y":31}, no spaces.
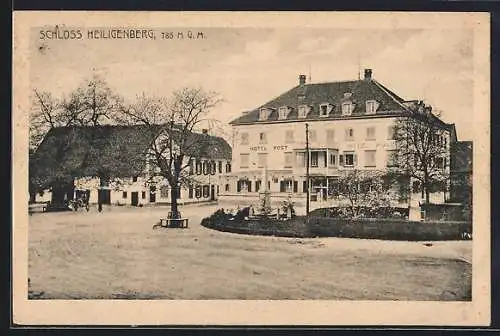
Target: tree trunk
{"x":173,"y":202}
{"x":32,"y":196}
{"x":426,"y":187}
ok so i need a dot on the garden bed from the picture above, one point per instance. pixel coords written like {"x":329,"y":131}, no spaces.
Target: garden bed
{"x":315,"y":226}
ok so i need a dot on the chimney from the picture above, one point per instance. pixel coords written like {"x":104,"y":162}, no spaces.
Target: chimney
{"x":302,"y":79}
{"x":368,"y":74}
{"x":204,"y":131}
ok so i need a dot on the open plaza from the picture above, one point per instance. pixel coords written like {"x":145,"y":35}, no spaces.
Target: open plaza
{"x":116,"y":254}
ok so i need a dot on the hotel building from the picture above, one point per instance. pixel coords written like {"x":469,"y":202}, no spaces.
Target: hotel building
{"x":351,"y":126}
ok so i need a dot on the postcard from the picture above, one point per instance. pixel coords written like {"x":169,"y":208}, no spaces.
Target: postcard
{"x":251,"y":168}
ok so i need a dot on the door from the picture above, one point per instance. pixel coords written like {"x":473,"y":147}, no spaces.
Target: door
{"x":152,"y":194}
{"x":212,"y":192}
{"x":104,"y":195}
{"x":135,"y":198}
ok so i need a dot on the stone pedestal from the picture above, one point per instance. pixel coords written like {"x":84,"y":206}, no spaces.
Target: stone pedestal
{"x":414,"y":212}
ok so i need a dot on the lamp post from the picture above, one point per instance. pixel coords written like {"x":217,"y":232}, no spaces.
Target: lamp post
{"x":307,"y":170}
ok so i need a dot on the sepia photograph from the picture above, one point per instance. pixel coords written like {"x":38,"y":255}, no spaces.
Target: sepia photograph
{"x":200,"y":160}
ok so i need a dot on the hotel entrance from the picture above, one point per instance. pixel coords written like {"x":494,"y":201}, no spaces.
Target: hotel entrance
{"x":323,"y":188}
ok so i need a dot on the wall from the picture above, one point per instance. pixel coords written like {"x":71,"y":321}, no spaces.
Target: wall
{"x":277,"y":145}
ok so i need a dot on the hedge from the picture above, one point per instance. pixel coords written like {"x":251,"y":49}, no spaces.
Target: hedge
{"x":313,"y":226}
{"x":392,"y":229}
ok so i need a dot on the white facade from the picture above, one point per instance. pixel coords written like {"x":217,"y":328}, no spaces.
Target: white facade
{"x":337,"y":145}
{"x":144,"y":191}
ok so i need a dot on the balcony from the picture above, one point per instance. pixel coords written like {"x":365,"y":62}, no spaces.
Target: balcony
{"x":322,"y":162}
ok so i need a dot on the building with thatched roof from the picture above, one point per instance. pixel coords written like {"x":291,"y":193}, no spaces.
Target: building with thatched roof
{"x":111,"y":164}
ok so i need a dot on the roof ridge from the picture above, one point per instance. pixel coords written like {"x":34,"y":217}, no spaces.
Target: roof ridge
{"x":390,"y":94}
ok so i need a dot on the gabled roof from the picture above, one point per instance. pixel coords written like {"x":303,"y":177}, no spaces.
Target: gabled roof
{"x":332,"y":93}
{"x":110,"y":150}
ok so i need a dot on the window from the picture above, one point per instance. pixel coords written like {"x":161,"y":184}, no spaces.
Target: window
{"x":288,"y":159}
{"x":416,"y":186}
{"x":262,"y":138}
{"x":312,"y":135}
{"x":264,"y":114}
{"x":371,"y":106}
{"x":191,"y":191}
{"x":206,"y":191}
{"x":198,"y":167}
{"x":349,"y":134}
{"x":295,"y":186}
{"x":164,"y":192}
{"x":348,"y":159}
{"x":244,"y":185}
{"x":191,"y":167}
{"x":227,"y":187}
{"x":324,"y":110}
{"x":391,"y":158}
{"x":346,"y":109}
{"x":283,"y":112}
{"x":213,"y":167}
{"x":314,"y":159}
{"x":333,"y":159}
{"x":206,"y":168}
{"x":143,"y":195}
{"x":390,"y":132}
{"x":370,"y":133}
{"x":370,"y":158}
{"x":197,"y":192}
{"x":300,"y":159}
{"x":304,"y":186}
{"x":228,"y":167}
{"x":289,"y":137}
{"x":134,"y":179}
{"x":303,"y":110}
{"x":286,"y":186}
{"x":244,"y":160}
{"x":124,"y":194}
{"x":330,"y":136}
{"x":262,"y":159}
{"x":440,"y":162}
{"x":244,"y":138}
{"x":220,"y":167}
{"x":257,"y":185}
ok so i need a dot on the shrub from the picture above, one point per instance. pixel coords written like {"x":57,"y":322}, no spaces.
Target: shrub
{"x":264,"y":226}
{"x":321,"y":225}
{"x":393,"y":229}
{"x":364,"y":212}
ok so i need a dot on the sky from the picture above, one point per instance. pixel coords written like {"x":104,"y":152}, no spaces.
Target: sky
{"x":250,"y":66}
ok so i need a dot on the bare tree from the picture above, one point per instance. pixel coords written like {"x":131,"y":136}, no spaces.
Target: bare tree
{"x":92,"y":104}
{"x":171,"y":123}
{"x":422,"y":151}
{"x":363,"y":188}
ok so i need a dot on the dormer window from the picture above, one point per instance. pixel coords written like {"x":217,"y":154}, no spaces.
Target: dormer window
{"x":283,"y":112}
{"x":347,"y":108}
{"x":303,"y":111}
{"x":347,"y":95}
{"x":324,"y":110}
{"x":371,"y":106}
{"x":264,"y":113}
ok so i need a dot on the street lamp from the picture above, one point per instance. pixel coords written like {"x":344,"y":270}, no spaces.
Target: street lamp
{"x":307,"y":170}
